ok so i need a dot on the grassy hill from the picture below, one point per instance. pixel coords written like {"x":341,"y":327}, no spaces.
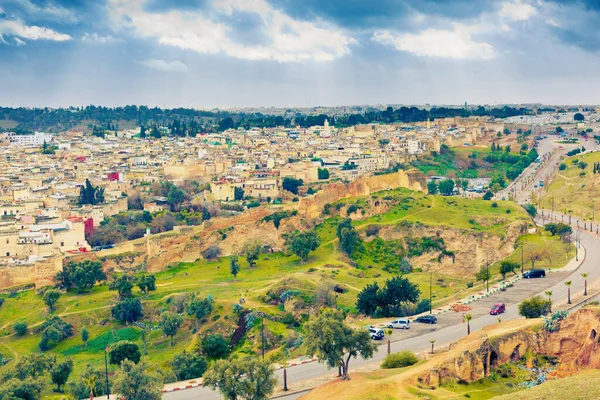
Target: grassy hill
{"x":327,"y":277}
{"x":574,"y":190}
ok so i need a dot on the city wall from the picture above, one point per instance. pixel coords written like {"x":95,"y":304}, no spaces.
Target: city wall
{"x":310,"y":207}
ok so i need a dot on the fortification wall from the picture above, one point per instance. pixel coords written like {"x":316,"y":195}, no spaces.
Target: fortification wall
{"x":311,"y":207}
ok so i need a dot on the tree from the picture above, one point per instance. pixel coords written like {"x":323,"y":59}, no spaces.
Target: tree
{"x":464,"y":184}
{"x":468,"y":318}
{"x":397,"y":291}
{"x":234,"y":266}
{"x":238,"y":193}
{"x":368,"y":299}
{"x":432,"y":187}
{"x":123,"y":285}
{"x":252,"y":251}
{"x":334,"y":342}
{"x":29,"y":389}
{"x":175,"y":198}
{"x":81,"y":275}
{"x":585,"y":275}
{"x":534,"y":307}
{"x":212,"y":252}
{"x":60,"y":372}
{"x":323,"y":173}
{"x":123,"y":350}
{"x":446,"y":187}
{"x":531,"y":210}
{"x":53,"y":330}
{"x":129,"y":310}
{"x":215,"y":346}
{"x":562,"y":166}
{"x":85,"y":336}
{"x":432,"y":341}
{"x":90,"y":194}
{"x":568,"y":285}
{"x":20,"y":328}
{"x":549,"y":294}
{"x":132,"y":381}
{"x":302,"y":243}
{"x":508,"y":267}
{"x":199,"y":307}
{"x":578,"y":117}
{"x":146,"y":283}
{"x":349,"y":239}
{"x":50,"y":298}
{"x":33,"y":365}
{"x":242,"y":378}
{"x":488,"y":195}
{"x":483,"y":275}
{"x":170,"y":324}
{"x":188,"y":366}
{"x":291,"y":184}
{"x":559,"y":129}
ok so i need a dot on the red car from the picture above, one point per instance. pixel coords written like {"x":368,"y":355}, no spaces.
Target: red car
{"x":498,"y":309}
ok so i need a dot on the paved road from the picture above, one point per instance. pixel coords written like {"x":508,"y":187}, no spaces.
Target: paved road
{"x":446,"y":335}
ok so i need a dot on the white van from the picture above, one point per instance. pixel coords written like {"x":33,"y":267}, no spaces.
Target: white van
{"x":401,"y":323}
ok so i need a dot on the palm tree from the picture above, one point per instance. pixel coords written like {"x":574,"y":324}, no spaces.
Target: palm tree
{"x":549,"y":294}
{"x":389,"y":333}
{"x":584,"y":275}
{"x":432,"y":341}
{"x":468,"y":318}
{"x":568,"y":285}
{"x":90,"y":384}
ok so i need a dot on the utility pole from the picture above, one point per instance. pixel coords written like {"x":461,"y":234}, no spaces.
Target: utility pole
{"x":262,"y":334}
{"x":106,"y":369}
{"x":522,"y":258}
{"x":430,"y":291}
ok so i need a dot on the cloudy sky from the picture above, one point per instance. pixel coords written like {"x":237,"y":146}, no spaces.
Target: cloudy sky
{"x":232,"y":53}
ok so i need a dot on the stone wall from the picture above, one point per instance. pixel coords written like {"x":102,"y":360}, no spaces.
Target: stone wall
{"x":310,"y":207}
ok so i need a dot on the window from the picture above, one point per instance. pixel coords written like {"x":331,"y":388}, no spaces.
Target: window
{"x":62,"y":244}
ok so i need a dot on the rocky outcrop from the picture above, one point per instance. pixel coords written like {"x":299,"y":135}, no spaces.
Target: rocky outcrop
{"x":576,"y":345}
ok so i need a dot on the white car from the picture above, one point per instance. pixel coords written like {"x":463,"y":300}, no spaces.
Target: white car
{"x":402,"y":323}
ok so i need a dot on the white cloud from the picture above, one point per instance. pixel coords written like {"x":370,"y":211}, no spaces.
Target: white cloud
{"x":94,"y":37}
{"x":205,"y":32}
{"x":517,"y":10}
{"x":162,"y":65}
{"x":455,"y":44}
{"x":47,"y":11}
{"x":19,"y":42}
{"x":17,"y":28}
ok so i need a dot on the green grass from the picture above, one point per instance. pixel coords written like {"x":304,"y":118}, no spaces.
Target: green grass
{"x":274,"y":271}
{"x":571,"y":193}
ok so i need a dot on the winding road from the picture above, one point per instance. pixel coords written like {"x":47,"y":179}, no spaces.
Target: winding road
{"x":446,"y":335}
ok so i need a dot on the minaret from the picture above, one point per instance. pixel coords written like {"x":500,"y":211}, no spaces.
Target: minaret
{"x":428,"y":125}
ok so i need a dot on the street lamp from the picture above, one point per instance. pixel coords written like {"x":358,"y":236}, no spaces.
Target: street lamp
{"x":106,"y":368}
{"x":430,"y":291}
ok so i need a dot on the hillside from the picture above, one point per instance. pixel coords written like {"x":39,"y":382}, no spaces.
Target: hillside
{"x":280,"y":285}
{"x":574,"y":189}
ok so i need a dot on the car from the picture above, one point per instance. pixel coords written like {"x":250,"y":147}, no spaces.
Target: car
{"x":427,"y":319}
{"x":401,"y":323}
{"x":497,"y":309}
{"x":376,"y":333}
{"x":534,"y":273}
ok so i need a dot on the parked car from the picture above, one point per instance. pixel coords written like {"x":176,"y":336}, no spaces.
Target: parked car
{"x":402,"y":323}
{"x":427,"y":319}
{"x":534,"y":273}
{"x":497,"y":309}
{"x":376,"y":333}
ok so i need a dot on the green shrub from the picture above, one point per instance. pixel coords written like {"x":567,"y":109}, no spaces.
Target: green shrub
{"x":402,"y":359}
{"x":534,"y":307}
{"x":20,"y":328}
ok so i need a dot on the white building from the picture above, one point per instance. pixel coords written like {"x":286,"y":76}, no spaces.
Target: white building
{"x":36,"y":139}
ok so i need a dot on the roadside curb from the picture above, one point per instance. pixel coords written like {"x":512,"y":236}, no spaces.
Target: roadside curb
{"x":193,"y":385}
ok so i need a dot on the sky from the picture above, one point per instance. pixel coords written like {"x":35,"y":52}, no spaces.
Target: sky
{"x":298,"y":53}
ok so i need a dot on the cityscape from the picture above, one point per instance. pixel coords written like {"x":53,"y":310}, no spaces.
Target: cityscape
{"x":298,"y":200}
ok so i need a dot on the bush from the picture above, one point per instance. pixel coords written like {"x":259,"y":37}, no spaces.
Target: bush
{"x":494,"y":205}
{"x":123,"y":350}
{"x":402,"y":359}
{"x":534,"y":307}
{"x":488,"y":195}
{"x":20,"y":328}
{"x":211,"y":253}
{"x":188,"y":366}
{"x":215,"y":346}
{"x":372,"y":230}
{"x":531,"y":210}
{"x":562,"y":166}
